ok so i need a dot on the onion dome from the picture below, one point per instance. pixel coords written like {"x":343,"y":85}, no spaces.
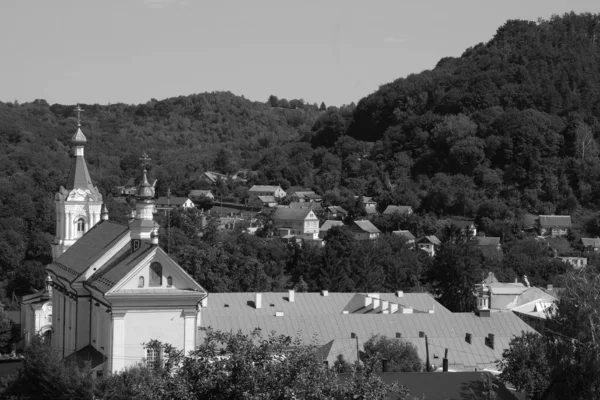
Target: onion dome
{"x":78,"y":138}
{"x":145,"y":189}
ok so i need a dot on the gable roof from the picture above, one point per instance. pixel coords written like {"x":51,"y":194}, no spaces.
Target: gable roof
{"x":327,"y":225}
{"x":487,"y":240}
{"x":590,"y":242}
{"x":404,"y":234}
{"x":306,"y":204}
{"x":397,"y":209}
{"x":267,"y":199}
{"x":430,"y":239}
{"x":199,"y":192}
{"x":365,"y":226}
{"x":264,"y":188}
{"x":337,"y":209}
{"x":174,"y":201}
{"x":555,"y":221}
{"x":87,"y":250}
{"x":286,"y":213}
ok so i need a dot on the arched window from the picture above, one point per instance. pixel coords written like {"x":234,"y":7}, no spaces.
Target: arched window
{"x":169,"y":281}
{"x":80,"y":225}
{"x":155,"y":274}
{"x":141,"y":281}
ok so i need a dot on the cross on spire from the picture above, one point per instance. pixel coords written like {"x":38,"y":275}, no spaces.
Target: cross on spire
{"x":78,"y":110}
{"x":144,"y":159}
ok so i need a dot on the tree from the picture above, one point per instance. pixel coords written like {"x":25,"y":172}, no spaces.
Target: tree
{"x":322,"y":107}
{"x":402,"y":356}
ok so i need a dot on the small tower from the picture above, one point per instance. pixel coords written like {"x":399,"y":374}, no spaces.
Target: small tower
{"x":77,"y":203}
{"x":143,"y":224}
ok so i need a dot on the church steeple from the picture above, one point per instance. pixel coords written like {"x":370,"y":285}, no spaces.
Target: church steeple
{"x":143,"y":223}
{"x":78,"y":203}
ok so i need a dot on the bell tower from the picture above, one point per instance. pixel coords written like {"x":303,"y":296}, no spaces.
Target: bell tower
{"x":143,"y":225}
{"x":78,"y":203}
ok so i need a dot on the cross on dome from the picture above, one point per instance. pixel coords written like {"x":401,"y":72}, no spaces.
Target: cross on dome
{"x":78,"y":110}
{"x":144,"y":159}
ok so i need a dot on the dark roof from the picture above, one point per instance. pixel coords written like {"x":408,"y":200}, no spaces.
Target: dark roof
{"x":365,"y":226}
{"x":449,"y":385}
{"x":337,"y":209}
{"x":291,"y":213}
{"x":87,"y":354}
{"x":555,"y":221}
{"x":487,"y":241}
{"x":327,"y":225}
{"x":79,"y":177}
{"x":397,"y":209}
{"x":405,"y":234}
{"x":117,"y":267}
{"x":87,"y":249}
{"x":176,"y":201}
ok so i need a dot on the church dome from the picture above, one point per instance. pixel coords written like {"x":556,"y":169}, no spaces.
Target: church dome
{"x":145,"y":189}
{"x":79,"y":138}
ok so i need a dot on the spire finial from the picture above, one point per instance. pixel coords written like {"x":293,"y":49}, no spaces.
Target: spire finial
{"x":78,"y":110}
{"x":144,"y":159}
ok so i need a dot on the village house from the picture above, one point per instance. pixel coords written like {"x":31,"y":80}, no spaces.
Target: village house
{"x":576,"y":262}
{"x":554,"y":225}
{"x":241,"y":175}
{"x":263,"y":202}
{"x":113,"y":288}
{"x":305,"y":196}
{"x":327,"y":225}
{"x":488,"y":241}
{"x":306,"y":204}
{"x":299,"y":222}
{"x":591,"y":244}
{"x":402,"y":210}
{"x":410,"y":238}
{"x":429,"y":244}
{"x":466,"y":225}
{"x":171,"y":203}
{"x":126,"y":190}
{"x":265,"y":190}
{"x":336,"y":212}
{"x":198,"y":194}
{"x":370,"y":205}
{"x":364,"y":230}
{"x":211,"y":177}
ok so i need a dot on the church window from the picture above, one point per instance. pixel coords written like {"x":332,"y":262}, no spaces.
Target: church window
{"x":152,"y":357}
{"x":141,"y":281}
{"x":155,"y":274}
{"x":80,"y":225}
{"x":169,"y":281}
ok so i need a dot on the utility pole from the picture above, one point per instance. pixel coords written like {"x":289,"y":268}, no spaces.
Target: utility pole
{"x":428,"y":365}
{"x":168,"y":220}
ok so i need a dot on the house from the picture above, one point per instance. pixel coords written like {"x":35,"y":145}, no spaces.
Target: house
{"x":576,"y":262}
{"x":364,"y":230}
{"x":211,"y":177}
{"x":170,"y":203}
{"x":305,"y":196}
{"x":327,"y":225}
{"x":338,"y":322}
{"x":241,"y":175}
{"x":126,"y":190}
{"x":428,"y":244}
{"x":336,"y":212}
{"x":263,"y":202}
{"x":410,"y":238}
{"x":299,"y":222}
{"x":198,"y":194}
{"x":488,"y":241}
{"x":402,"y":210}
{"x":465,"y":225}
{"x":591,"y":244}
{"x":306,"y":204}
{"x":554,"y":225}
{"x":264,"y":190}
{"x":370,"y":205}
{"x":113,"y":287}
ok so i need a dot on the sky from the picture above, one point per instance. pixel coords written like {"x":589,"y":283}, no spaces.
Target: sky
{"x":337,"y":52}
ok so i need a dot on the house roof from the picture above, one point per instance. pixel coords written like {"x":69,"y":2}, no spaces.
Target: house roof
{"x":214,"y":176}
{"x":174,"y":201}
{"x":263,"y":188}
{"x":337,"y":209}
{"x":327,"y":225}
{"x":312,"y":316}
{"x":590,"y":242}
{"x":487,"y":240}
{"x":87,"y":249}
{"x":555,"y":221}
{"x":306,"y":204}
{"x":365,"y":226}
{"x":285,"y":213}
{"x":430,"y":239}
{"x":304,"y":193}
{"x":199,"y":192}
{"x":267,"y":199}
{"x":397,"y":209}
{"x":405,"y":234}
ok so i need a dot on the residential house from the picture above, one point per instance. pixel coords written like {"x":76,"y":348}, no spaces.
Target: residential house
{"x":170,"y":203}
{"x":305,"y":196}
{"x":576,"y":262}
{"x":390,"y":210}
{"x":591,"y":244}
{"x":299,"y":222}
{"x":306,"y":204}
{"x":338,"y":323}
{"x":327,"y":225}
{"x":466,"y":225}
{"x":336,"y":212}
{"x":198,"y":194}
{"x":211,"y":177}
{"x":263,"y":202}
{"x":429,"y":244}
{"x":410,"y":238}
{"x":364,"y":230}
{"x":370,"y":205}
{"x":265,"y":190}
{"x":554,"y":225}
{"x":241,"y":175}
{"x":126,"y":190}
{"x":488,"y":241}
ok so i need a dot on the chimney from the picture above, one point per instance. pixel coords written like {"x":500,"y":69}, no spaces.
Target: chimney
{"x":398,"y":335}
{"x":291,"y":296}
{"x":468,"y":338}
{"x":550,"y":287}
{"x":526,"y":280}
{"x":368,"y":301}
{"x":376,"y":303}
{"x":445,"y":362}
{"x":399,"y":293}
{"x":279,"y":313}
{"x":258,"y":301}
{"x":421,"y":334}
{"x":324,"y":293}
{"x":393,"y":308}
{"x":353,"y":335}
{"x":490,"y":340}
{"x":384,"y":364}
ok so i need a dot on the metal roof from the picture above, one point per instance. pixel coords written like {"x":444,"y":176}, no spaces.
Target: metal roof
{"x":397,"y":209}
{"x":286,"y":213}
{"x":556,"y":221}
{"x":590,"y":242}
{"x":176,"y":201}
{"x":366,"y":226}
{"x":263,"y":188}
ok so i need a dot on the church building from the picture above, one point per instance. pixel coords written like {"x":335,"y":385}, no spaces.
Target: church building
{"x":113,"y":288}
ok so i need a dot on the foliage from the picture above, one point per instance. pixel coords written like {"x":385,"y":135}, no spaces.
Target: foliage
{"x":402,"y":356}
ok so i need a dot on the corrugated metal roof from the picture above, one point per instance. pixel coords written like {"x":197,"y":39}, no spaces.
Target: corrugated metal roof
{"x":557,"y":221}
{"x":590,"y":242}
{"x":405,"y":234}
{"x":263,"y":188}
{"x":286,"y":213}
{"x":366,"y":226}
{"x":87,"y":249}
{"x":397,"y":209}
{"x":430,"y":239}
